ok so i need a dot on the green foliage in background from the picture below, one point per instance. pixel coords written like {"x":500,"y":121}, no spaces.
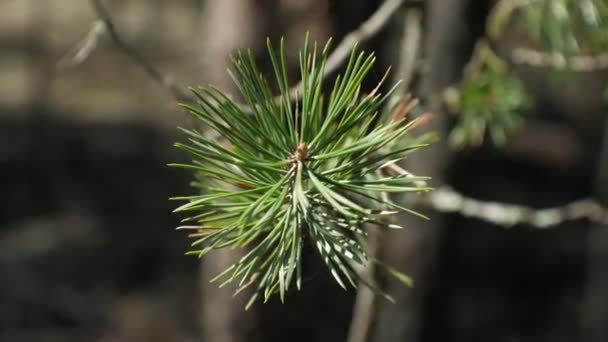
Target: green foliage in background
{"x":293,"y":174}
{"x":491,"y":100}
{"x":572,"y":27}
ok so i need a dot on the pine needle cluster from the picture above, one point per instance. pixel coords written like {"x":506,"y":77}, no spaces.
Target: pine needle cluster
{"x":290,"y":173}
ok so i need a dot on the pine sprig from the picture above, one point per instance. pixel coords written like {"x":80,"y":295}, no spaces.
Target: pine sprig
{"x":568,"y":27}
{"x":293,"y":172}
{"x":571,"y":27}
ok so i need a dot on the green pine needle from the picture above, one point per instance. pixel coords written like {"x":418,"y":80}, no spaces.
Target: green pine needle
{"x":288,"y":173}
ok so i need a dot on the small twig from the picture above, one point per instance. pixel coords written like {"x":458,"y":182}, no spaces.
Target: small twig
{"x":398,"y":170}
{"x":445,"y":199}
{"x":176,"y":91}
{"x":365,"y":31}
{"x":83,"y":50}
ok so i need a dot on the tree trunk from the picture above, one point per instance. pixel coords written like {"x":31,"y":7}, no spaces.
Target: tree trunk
{"x":230,"y":25}
{"x":595,"y":315}
{"x":413,"y":249}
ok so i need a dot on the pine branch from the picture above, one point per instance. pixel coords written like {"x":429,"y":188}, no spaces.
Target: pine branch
{"x":556,"y":56}
{"x":295,"y":173}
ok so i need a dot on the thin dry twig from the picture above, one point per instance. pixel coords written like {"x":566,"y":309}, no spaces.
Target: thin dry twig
{"x":167,"y":82}
{"x":364,"y":32}
{"x":83,"y":50}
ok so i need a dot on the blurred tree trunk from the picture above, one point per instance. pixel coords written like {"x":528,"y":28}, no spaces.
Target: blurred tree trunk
{"x":595,"y":313}
{"x":413,"y":249}
{"x":229,"y":25}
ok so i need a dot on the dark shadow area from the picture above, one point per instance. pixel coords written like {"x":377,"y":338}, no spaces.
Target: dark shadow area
{"x":86,"y":244}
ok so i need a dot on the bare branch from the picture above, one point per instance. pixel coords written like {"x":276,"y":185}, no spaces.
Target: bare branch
{"x":445,"y":199}
{"x":176,"y":91}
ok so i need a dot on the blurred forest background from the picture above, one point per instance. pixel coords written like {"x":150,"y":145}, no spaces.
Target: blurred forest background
{"x":87,"y":246}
